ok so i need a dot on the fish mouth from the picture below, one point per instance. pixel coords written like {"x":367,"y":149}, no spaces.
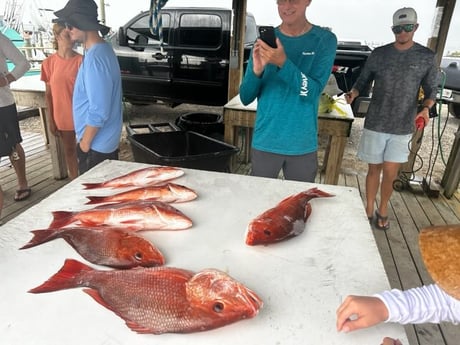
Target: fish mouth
{"x":252,"y":300}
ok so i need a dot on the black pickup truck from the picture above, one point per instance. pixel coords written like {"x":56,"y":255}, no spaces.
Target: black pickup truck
{"x":451,"y":84}
{"x":192,"y":63}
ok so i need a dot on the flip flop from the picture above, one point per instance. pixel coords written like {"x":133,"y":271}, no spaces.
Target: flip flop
{"x":383,"y":220}
{"x":22,"y":194}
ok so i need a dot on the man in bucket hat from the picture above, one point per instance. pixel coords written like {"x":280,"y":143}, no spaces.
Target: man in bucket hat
{"x":97,"y":97}
{"x":439,"y":302}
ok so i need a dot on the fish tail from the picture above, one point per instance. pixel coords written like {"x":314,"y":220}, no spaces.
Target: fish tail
{"x":317,"y":193}
{"x":68,"y":277}
{"x":40,"y":236}
{"x":61,"y":219}
{"x":92,"y":185}
{"x":95,"y":200}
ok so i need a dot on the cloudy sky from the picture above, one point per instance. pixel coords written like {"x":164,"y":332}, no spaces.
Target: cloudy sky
{"x":365,"y":20}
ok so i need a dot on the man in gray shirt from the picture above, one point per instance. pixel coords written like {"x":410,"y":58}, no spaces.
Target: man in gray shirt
{"x":397,"y":71}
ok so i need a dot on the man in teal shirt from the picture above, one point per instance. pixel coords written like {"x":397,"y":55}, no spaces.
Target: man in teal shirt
{"x":287,"y":82}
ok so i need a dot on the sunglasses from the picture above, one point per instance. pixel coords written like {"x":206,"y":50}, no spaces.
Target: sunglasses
{"x":68,"y":26}
{"x":399,"y":28}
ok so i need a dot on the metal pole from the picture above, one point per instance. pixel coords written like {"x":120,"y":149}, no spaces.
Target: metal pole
{"x":102,"y":11}
{"x":441,"y":23}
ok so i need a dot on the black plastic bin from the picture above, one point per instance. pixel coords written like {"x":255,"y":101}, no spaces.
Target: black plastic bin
{"x":186,"y":149}
{"x":209,"y":124}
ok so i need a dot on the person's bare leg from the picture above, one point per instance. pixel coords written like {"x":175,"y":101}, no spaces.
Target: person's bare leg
{"x":70,"y":152}
{"x":390,"y":173}
{"x":20,"y":168}
{"x":372,"y":187}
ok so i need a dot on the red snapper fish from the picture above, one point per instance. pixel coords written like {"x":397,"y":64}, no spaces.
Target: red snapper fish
{"x":287,"y":219}
{"x":141,"y":177}
{"x":136,"y":215}
{"x":169,"y":192}
{"x":161,"y":299}
{"x":106,"y":246}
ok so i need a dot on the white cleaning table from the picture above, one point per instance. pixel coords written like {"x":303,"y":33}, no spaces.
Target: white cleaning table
{"x":302,"y":281}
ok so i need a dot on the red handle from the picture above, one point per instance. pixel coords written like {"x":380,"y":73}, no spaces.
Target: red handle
{"x":420,"y":123}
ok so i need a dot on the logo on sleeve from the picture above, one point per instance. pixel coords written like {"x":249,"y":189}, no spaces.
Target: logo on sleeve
{"x":304,"y":86}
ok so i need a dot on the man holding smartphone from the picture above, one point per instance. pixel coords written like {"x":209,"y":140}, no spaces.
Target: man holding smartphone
{"x":287,"y":81}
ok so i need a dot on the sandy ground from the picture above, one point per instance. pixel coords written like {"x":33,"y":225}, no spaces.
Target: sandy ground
{"x":431,"y":161}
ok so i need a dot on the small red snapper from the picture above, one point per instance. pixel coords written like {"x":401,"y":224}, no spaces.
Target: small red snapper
{"x":169,"y":192}
{"x":287,"y":219}
{"x":135,"y":215}
{"x":140,"y":177}
{"x":161,"y":299}
{"x":106,"y":246}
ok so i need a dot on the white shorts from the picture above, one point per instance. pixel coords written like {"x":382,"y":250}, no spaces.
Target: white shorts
{"x":376,"y":147}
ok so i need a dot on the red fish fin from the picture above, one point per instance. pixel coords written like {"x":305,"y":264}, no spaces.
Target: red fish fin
{"x":97,"y":297}
{"x":95,"y":200}
{"x":40,"y":236}
{"x":61,"y":219}
{"x":139,"y":329}
{"x":318,"y":193}
{"x":92,"y":185}
{"x":307,"y":212}
{"x":66,"y":278}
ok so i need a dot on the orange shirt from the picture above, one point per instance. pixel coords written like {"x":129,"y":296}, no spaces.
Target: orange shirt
{"x":59,"y":74}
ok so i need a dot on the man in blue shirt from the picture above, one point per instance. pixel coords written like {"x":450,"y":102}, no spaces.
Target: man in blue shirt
{"x":287,"y":82}
{"x":97,"y":97}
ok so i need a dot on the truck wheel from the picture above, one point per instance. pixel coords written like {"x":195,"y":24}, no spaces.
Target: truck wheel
{"x":454,"y":109}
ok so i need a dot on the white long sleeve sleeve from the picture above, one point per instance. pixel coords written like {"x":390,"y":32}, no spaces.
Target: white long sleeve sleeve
{"x":8,"y":51}
{"x":426,"y":304}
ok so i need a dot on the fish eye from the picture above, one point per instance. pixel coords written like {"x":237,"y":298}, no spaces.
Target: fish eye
{"x":138,"y":256}
{"x":218,"y":307}
{"x":267,"y":232}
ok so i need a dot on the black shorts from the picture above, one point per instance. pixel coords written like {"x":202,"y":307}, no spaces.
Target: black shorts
{"x":10,"y":134}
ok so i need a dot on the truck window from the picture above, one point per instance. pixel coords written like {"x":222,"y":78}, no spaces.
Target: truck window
{"x":139,"y":32}
{"x":200,"y":30}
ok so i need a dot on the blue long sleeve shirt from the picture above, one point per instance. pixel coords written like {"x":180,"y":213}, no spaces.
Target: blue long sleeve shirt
{"x":287,"y":97}
{"x":97,"y":98}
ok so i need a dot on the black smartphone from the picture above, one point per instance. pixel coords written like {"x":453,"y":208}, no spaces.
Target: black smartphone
{"x":267,"y":34}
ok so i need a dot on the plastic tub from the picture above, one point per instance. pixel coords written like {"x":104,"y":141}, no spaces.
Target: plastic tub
{"x":209,"y":124}
{"x":185,"y":149}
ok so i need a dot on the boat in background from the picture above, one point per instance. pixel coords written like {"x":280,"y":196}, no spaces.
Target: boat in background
{"x":31,"y":32}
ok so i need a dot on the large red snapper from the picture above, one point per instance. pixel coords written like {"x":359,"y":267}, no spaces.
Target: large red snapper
{"x":287,"y":219}
{"x":107,"y":246}
{"x":169,"y":192}
{"x":136,"y":215}
{"x":161,"y":299}
{"x":141,"y":177}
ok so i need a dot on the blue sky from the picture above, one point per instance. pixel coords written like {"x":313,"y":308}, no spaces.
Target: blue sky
{"x":366,"y":20}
